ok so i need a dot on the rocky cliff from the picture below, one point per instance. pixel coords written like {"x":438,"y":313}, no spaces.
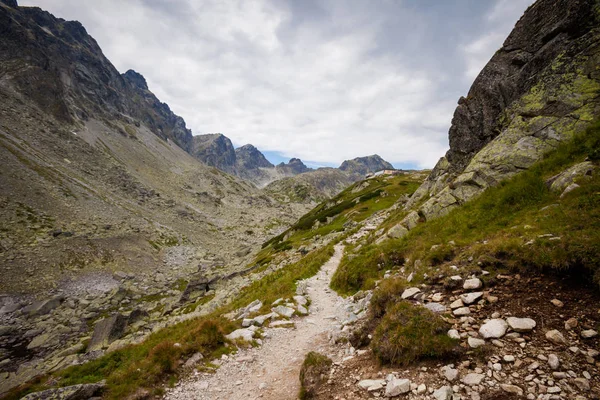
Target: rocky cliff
{"x":538,"y":90}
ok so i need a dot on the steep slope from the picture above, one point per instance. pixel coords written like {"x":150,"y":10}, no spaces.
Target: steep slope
{"x":215,"y":150}
{"x":538,"y":90}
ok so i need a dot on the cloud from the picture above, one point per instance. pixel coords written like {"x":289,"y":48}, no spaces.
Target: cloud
{"x":321,"y":80}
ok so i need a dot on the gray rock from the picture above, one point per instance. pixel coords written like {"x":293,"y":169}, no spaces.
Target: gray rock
{"x":475,"y":343}
{"x":436,"y":307}
{"x":513,"y":389}
{"x":76,"y":392}
{"x":473,"y":379}
{"x":245,"y":334}
{"x":582,"y":384}
{"x":453,"y":333}
{"x":560,"y":182}
{"x":521,"y":324}
{"x":474,"y":283}
{"x":106,"y":331}
{"x":301,"y":300}
{"x":470,"y":298}
{"x":44,"y":306}
{"x":397,"y":231}
{"x":462,"y":311}
{"x":553,"y":361}
{"x":450,"y":373}
{"x":410,"y":292}
{"x":493,"y":329}
{"x":371,"y":384}
{"x":396,"y":387}
{"x":284,"y":311}
{"x":443,"y":393}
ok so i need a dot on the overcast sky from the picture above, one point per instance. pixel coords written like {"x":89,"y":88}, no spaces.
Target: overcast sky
{"x":322,"y":80}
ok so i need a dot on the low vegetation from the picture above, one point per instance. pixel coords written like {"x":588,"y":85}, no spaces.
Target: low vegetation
{"x":312,"y":374}
{"x":149,"y":365}
{"x":517,"y":224}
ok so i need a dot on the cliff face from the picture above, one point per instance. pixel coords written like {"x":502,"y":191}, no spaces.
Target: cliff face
{"x":216,"y":150}
{"x":539,"y":89}
{"x":59,"y":66}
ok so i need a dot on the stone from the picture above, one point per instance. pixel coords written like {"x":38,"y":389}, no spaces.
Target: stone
{"x":193,"y":360}
{"x":475,"y":342}
{"x":563,"y":180}
{"x":371,"y":384}
{"x":571,"y":324}
{"x":244,"y":334}
{"x":553,"y":361}
{"x":512,"y":389}
{"x":556,"y":337}
{"x":473,"y":379}
{"x":474,"y":283}
{"x":301,"y":300}
{"x":509,"y":358}
{"x":43,"y":340}
{"x":450,"y":373}
{"x":43,"y":307}
{"x":260,"y":319}
{"x":436,"y":307}
{"x":557,"y":303}
{"x":302,"y":310}
{"x":75,"y":392}
{"x":453,"y":333}
{"x":397,"y":231}
{"x":582,"y":384}
{"x":410,"y":292}
{"x":462,"y":311}
{"x":411,"y":220}
{"x":470,"y":298}
{"x":106,"y":331}
{"x":521,"y":324}
{"x":254,"y":307}
{"x":458,"y":303}
{"x":284,"y":311}
{"x":443,"y":393}
{"x":282,"y":324}
{"x":422,"y":388}
{"x":493,"y":329}
{"x":589,"y":333}
{"x":396,"y":387}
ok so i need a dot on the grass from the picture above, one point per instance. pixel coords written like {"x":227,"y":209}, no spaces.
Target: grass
{"x":156,"y":361}
{"x":496,"y":227}
{"x":407,"y":333}
{"x":314,"y":367}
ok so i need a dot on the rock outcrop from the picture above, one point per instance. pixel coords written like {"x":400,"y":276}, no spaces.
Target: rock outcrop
{"x":538,"y":90}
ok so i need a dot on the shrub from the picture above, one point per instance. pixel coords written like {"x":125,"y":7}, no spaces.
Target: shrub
{"x":409,"y":333}
{"x":314,"y":367}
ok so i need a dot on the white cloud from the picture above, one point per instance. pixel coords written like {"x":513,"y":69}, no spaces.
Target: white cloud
{"x":324,"y":85}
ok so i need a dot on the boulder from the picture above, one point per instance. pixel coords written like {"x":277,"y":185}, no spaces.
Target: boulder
{"x":512,"y":389}
{"x":462,"y":311}
{"x":474,"y":283}
{"x":470,"y":298}
{"x":411,"y":220}
{"x":76,"y":392}
{"x":493,"y":329}
{"x":106,"y":331}
{"x":44,"y":306}
{"x":453,"y":334}
{"x":410,"y":292}
{"x":436,"y":307}
{"x":397,"y":231}
{"x":396,"y":387}
{"x":521,"y":324}
{"x":284,"y":311}
{"x":245,"y":334}
{"x":443,"y":393}
{"x":473,"y":379}
{"x":301,"y":300}
{"x":589,"y":333}
{"x":371,"y":384}
{"x":556,"y":337}
{"x":475,"y":342}
{"x":560,"y":182}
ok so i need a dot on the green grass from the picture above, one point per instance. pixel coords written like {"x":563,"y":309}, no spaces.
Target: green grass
{"x":315,"y":366}
{"x":407,"y":333}
{"x":499,"y":216}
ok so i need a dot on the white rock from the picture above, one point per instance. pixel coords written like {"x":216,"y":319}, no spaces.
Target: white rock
{"x":396,"y":387}
{"x":450,"y":373}
{"x":509,"y":358}
{"x":410,"y":292}
{"x":475,"y":343}
{"x":300,"y":300}
{"x":473,"y":379}
{"x":302,"y":310}
{"x":371,"y":384}
{"x":453,"y":333}
{"x":422,"y":388}
{"x":457,"y":304}
{"x":245,"y":334}
{"x":443,"y":393}
{"x":521,"y":324}
{"x":470,"y":298}
{"x":462,"y":311}
{"x":474,"y":283}
{"x":436,"y":307}
{"x":493,"y":329}
{"x":284,"y":311}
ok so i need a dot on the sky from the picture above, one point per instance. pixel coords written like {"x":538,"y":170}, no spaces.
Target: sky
{"x":321,"y":80}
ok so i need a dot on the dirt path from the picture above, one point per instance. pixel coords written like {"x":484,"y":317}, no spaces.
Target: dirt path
{"x":271,"y":371}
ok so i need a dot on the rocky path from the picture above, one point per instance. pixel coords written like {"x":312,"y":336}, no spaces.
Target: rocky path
{"x":271,"y":371}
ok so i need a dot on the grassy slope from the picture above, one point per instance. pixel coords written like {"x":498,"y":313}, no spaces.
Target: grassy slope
{"x":494,"y":227}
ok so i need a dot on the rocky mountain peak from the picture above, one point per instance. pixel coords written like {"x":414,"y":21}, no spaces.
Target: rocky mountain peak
{"x":216,"y":150}
{"x":365,"y":165}
{"x":294,"y":166}
{"x":136,"y":79}
{"x":10,"y":3}
{"x":249,"y":157}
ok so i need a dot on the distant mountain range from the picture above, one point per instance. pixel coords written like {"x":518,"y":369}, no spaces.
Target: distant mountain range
{"x":248,"y":163}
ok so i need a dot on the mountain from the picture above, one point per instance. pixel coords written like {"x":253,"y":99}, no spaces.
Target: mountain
{"x":215,"y":150}
{"x":538,"y":90}
{"x":249,"y":157}
{"x":361,"y":166}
